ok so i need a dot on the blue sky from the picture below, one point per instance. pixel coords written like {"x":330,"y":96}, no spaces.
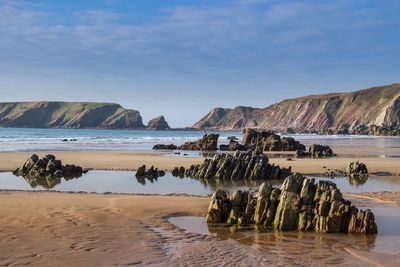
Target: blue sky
{"x":182,"y":58}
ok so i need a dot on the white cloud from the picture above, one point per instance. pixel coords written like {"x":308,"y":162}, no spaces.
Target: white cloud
{"x":252,"y":45}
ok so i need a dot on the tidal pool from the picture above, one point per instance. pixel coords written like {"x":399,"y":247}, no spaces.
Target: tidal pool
{"x":299,"y":247}
{"x":126,"y":182}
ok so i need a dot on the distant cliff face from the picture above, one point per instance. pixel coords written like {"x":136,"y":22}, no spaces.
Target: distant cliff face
{"x":68,"y":115}
{"x":373,"y":106}
{"x":158,"y":124}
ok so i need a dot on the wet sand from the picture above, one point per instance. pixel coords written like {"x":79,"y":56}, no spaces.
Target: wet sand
{"x":111,"y":160}
{"x":60,"y":229}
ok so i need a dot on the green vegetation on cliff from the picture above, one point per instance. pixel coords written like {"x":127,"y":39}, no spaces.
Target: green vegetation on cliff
{"x":68,"y":115}
{"x":374,"y":106}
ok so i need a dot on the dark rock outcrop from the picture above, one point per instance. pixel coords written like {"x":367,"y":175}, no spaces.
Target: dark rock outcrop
{"x":315,"y":151}
{"x":269,"y":141}
{"x":47,"y":171}
{"x":356,"y":169}
{"x":164,"y":147}
{"x":300,"y":204}
{"x":233,"y":145}
{"x":179,"y":172}
{"x":209,"y":142}
{"x":158,"y":124}
{"x":237,"y":166}
{"x":152,"y":172}
{"x":320,"y":151}
{"x":375,"y":130}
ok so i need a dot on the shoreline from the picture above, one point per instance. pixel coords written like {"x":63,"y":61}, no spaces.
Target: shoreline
{"x":131,"y":160}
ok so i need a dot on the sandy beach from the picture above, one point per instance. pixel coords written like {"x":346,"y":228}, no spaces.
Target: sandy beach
{"x":131,"y":160}
{"x":47,"y":229}
{"x":64,"y":229}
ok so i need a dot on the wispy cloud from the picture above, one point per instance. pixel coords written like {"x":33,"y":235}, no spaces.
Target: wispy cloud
{"x":256,"y":46}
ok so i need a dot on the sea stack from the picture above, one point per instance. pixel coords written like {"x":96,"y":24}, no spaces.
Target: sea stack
{"x":158,"y":124}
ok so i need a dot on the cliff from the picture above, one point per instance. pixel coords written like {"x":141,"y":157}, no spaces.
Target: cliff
{"x":374,"y":106}
{"x":158,"y":124}
{"x":68,"y":115}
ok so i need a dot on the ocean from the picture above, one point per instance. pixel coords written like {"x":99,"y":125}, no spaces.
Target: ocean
{"x":21,"y":139}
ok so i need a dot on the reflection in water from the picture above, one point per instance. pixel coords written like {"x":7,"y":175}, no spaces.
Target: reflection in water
{"x":306,"y":248}
{"x":142,"y":179}
{"x":293,"y":247}
{"x":357,"y":180}
{"x":298,"y":247}
{"x":125,"y":182}
{"x":45,"y":181}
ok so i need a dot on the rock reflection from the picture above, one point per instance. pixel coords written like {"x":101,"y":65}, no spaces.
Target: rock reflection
{"x":142,"y":179}
{"x":232,"y":183}
{"x":357,"y":180}
{"x":298,"y":247}
{"x":46,"y":182}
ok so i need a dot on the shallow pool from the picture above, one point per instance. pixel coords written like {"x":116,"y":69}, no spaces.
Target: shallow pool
{"x":126,"y":182}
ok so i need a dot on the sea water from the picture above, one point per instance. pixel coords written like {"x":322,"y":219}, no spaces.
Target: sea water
{"x":22,"y":139}
{"x":127,"y":183}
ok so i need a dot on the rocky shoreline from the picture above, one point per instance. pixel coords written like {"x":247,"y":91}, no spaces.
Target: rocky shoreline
{"x":299,"y":204}
{"x":248,"y":165}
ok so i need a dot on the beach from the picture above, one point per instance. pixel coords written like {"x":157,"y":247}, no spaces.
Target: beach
{"x":131,"y":160}
{"x":83,"y":229}
{"x":64,"y":229}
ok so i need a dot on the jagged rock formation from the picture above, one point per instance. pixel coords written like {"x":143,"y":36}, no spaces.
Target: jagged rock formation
{"x":179,"y":172}
{"x":164,"y":147}
{"x":300,"y":204}
{"x":356,"y":169}
{"x":47,"y":171}
{"x":375,"y":130}
{"x":315,"y":151}
{"x":233,"y":145}
{"x":68,"y":115}
{"x":269,"y":141}
{"x":375,"y":106}
{"x":239,"y":166}
{"x":158,"y":124}
{"x":152,"y":172}
{"x":209,"y":142}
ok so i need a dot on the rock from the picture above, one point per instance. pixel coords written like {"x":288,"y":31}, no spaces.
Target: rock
{"x":219,"y":208}
{"x":47,"y":171}
{"x":151,"y":173}
{"x":269,"y":141}
{"x":287,"y":214}
{"x":30,"y":163}
{"x":357,"y":170}
{"x":301,"y":154}
{"x":209,"y":142}
{"x":58,"y":173}
{"x":315,"y":151}
{"x":51,"y":166}
{"x":72,"y":171}
{"x":141,"y":171}
{"x":158,"y":124}
{"x":233,"y":145}
{"x":319,"y":151}
{"x":164,"y":147}
{"x":300,"y":204}
{"x":362,"y":129}
{"x":179,"y":172}
{"x":238,"y":166}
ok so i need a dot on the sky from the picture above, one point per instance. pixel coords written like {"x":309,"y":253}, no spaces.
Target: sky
{"x":181,"y":58}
